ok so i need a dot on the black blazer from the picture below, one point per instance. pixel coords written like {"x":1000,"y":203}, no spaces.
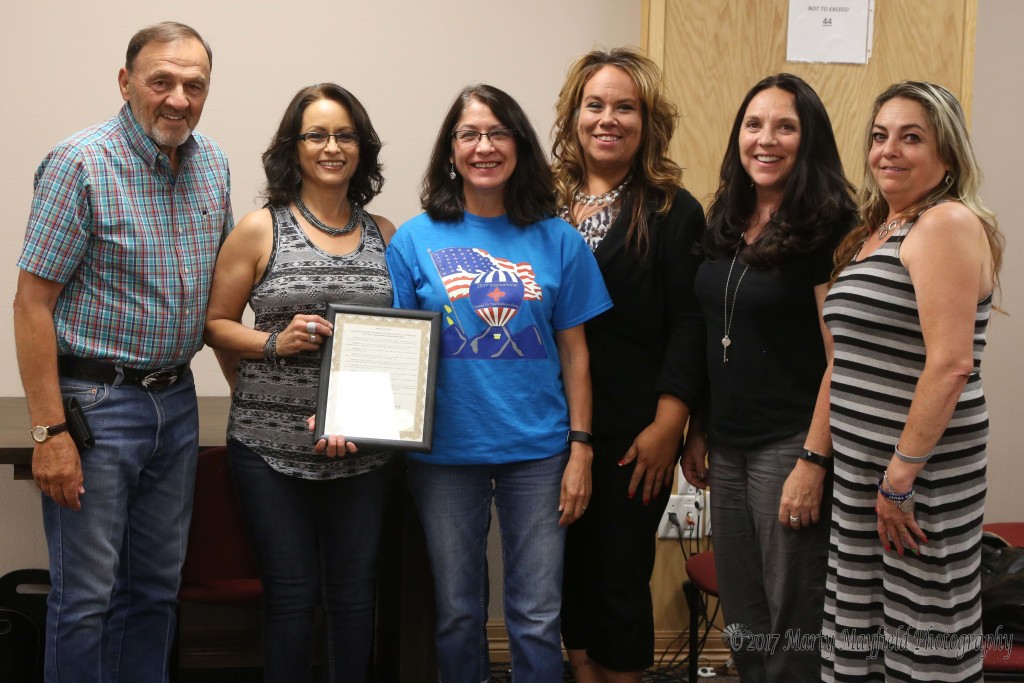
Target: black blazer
{"x":652,"y":340}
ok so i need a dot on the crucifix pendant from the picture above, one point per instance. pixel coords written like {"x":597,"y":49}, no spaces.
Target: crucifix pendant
{"x":725,"y":348}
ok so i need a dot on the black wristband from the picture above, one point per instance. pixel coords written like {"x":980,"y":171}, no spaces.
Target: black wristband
{"x":817,"y":458}
{"x":582,"y":437}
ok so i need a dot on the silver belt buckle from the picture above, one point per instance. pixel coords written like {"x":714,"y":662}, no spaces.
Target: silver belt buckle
{"x":161,"y":379}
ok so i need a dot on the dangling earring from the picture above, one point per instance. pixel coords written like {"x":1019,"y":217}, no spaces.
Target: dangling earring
{"x":948,"y":179}
{"x":451,"y":173}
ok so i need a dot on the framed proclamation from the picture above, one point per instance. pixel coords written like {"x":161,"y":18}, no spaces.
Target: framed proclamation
{"x":378,"y":375}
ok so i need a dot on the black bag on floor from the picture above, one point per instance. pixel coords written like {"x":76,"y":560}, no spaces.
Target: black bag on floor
{"x":22,"y":625}
{"x":1002,"y":587}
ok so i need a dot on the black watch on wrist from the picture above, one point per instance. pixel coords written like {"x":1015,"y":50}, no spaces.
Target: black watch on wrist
{"x":582,"y":437}
{"x":817,"y":458}
{"x":41,"y":433}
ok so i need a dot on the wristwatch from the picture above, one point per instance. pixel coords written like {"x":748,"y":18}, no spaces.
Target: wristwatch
{"x":41,"y":433}
{"x":582,"y":437}
{"x":817,"y":458}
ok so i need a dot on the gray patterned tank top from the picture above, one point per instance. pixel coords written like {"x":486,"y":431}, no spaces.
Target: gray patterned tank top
{"x":270,"y":405}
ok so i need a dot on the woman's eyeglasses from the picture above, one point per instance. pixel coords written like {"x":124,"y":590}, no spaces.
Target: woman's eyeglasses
{"x":472,"y":137}
{"x":319,"y":139}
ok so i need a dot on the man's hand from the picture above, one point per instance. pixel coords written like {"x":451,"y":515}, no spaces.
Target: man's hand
{"x":57,"y":469}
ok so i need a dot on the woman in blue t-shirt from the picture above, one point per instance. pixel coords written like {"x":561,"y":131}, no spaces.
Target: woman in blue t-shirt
{"x":514,"y":285}
{"x":781,"y":208}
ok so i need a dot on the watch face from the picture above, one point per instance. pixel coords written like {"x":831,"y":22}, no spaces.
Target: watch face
{"x":40,"y":433}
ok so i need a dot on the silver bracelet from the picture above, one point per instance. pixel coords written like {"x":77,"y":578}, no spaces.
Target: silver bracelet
{"x":912,"y":458}
{"x":270,"y":350}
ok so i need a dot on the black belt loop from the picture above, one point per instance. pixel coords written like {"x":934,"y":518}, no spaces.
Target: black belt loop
{"x":117,"y":374}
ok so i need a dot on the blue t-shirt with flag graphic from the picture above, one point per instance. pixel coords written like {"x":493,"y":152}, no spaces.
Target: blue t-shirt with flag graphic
{"x":503,"y":291}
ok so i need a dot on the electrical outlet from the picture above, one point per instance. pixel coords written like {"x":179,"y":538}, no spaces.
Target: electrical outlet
{"x":692,"y":510}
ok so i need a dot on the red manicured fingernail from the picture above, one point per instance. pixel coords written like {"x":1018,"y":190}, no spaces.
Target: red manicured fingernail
{"x":621,"y":463}
{"x":646,"y":501}
{"x":632,"y":494}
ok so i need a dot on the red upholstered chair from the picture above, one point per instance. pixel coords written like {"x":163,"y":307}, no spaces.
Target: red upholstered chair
{"x":1011,"y":532}
{"x":701,"y":580}
{"x":219,"y":566}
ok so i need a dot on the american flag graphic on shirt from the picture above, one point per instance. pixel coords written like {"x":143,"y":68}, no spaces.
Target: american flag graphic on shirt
{"x":460,"y":266}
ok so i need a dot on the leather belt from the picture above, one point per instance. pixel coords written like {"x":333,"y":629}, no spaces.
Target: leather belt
{"x":102,"y":371}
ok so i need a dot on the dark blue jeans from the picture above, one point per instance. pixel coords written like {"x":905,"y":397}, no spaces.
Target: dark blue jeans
{"x":316,"y":543}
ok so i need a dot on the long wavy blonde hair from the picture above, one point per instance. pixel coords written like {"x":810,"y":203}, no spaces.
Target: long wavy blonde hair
{"x":655,"y":176}
{"x":953,"y":143}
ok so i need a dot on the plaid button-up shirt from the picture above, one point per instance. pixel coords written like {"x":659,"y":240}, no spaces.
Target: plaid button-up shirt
{"x":133,"y":244}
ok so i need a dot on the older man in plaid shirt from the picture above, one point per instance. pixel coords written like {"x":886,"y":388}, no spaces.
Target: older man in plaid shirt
{"x":124,"y":229}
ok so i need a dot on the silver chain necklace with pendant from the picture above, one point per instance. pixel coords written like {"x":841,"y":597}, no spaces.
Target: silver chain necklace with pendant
{"x":884,"y":230}
{"x":730,"y":312}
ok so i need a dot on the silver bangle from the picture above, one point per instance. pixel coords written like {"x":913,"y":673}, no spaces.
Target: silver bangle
{"x":912,"y":458}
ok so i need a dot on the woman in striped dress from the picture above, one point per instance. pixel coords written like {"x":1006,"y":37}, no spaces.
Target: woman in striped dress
{"x":907,"y":313}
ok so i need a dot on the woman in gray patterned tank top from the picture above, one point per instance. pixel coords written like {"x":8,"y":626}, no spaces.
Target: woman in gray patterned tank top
{"x":314,"y":516}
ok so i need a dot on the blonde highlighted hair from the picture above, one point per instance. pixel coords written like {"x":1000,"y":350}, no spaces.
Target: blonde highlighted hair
{"x":953,"y":144}
{"x":655,"y":176}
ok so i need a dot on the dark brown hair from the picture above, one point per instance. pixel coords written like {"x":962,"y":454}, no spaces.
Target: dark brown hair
{"x":529,"y":193}
{"x":284,"y":179}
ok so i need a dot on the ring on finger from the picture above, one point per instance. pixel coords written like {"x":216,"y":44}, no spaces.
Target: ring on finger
{"x":793,"y":519}
{"x":312,"y":338}
{"x":311,"y":327}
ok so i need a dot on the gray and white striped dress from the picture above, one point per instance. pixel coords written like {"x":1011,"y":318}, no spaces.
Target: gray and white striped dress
{"x":270,"y":404}
{"x":920,"y":616}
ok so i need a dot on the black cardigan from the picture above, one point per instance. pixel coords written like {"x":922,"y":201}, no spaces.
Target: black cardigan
{"x":652,"y":340}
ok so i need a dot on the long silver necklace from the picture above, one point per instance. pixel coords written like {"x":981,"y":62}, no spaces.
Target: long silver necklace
{"x":353,"y":219}
{"x":599,"y":199}
{"x":730,"y":312}
{"x":884,"y":230}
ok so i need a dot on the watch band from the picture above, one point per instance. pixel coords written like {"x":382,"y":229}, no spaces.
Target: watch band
{"x":41,"y":433}
{"x":582,"y":437}
{"x":817,"y":458}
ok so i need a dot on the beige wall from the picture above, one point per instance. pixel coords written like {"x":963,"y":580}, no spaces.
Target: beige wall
{"x":404,"y":59}
{"x":998,"y":101}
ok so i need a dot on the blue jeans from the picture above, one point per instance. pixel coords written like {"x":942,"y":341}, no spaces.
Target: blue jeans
{"x":316,"y":543}
{"x":115,"y":565}
{"x":454,"y":504}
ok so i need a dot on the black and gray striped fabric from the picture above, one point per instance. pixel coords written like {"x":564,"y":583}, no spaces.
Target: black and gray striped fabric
{"x":892,"y":618}
{"x":270,"y":405}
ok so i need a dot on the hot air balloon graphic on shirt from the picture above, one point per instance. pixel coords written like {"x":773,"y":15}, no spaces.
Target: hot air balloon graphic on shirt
{"x":496,"y":289}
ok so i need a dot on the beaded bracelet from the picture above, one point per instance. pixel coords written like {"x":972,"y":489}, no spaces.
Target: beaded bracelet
{"x":898,"y":499}
{"x":912,"y":459}
{"x":270,"y":350}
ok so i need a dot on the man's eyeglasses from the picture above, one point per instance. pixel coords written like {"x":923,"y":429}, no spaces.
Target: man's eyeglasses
{"x":319,"y":139}
{"x":472,"y":137}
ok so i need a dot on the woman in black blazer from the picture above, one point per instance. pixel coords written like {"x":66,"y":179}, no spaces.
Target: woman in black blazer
{"x":617,"y":185}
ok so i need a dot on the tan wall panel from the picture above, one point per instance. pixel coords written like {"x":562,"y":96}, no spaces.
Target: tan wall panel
{"x":715,"y":51}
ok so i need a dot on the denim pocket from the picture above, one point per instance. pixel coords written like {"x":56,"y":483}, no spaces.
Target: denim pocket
{"x":89,"y":394}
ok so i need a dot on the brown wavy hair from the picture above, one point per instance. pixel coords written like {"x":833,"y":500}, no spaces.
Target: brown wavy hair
{"x":655,"y":176}
{"x":946,"y":117}
{"x":281,"y":163}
